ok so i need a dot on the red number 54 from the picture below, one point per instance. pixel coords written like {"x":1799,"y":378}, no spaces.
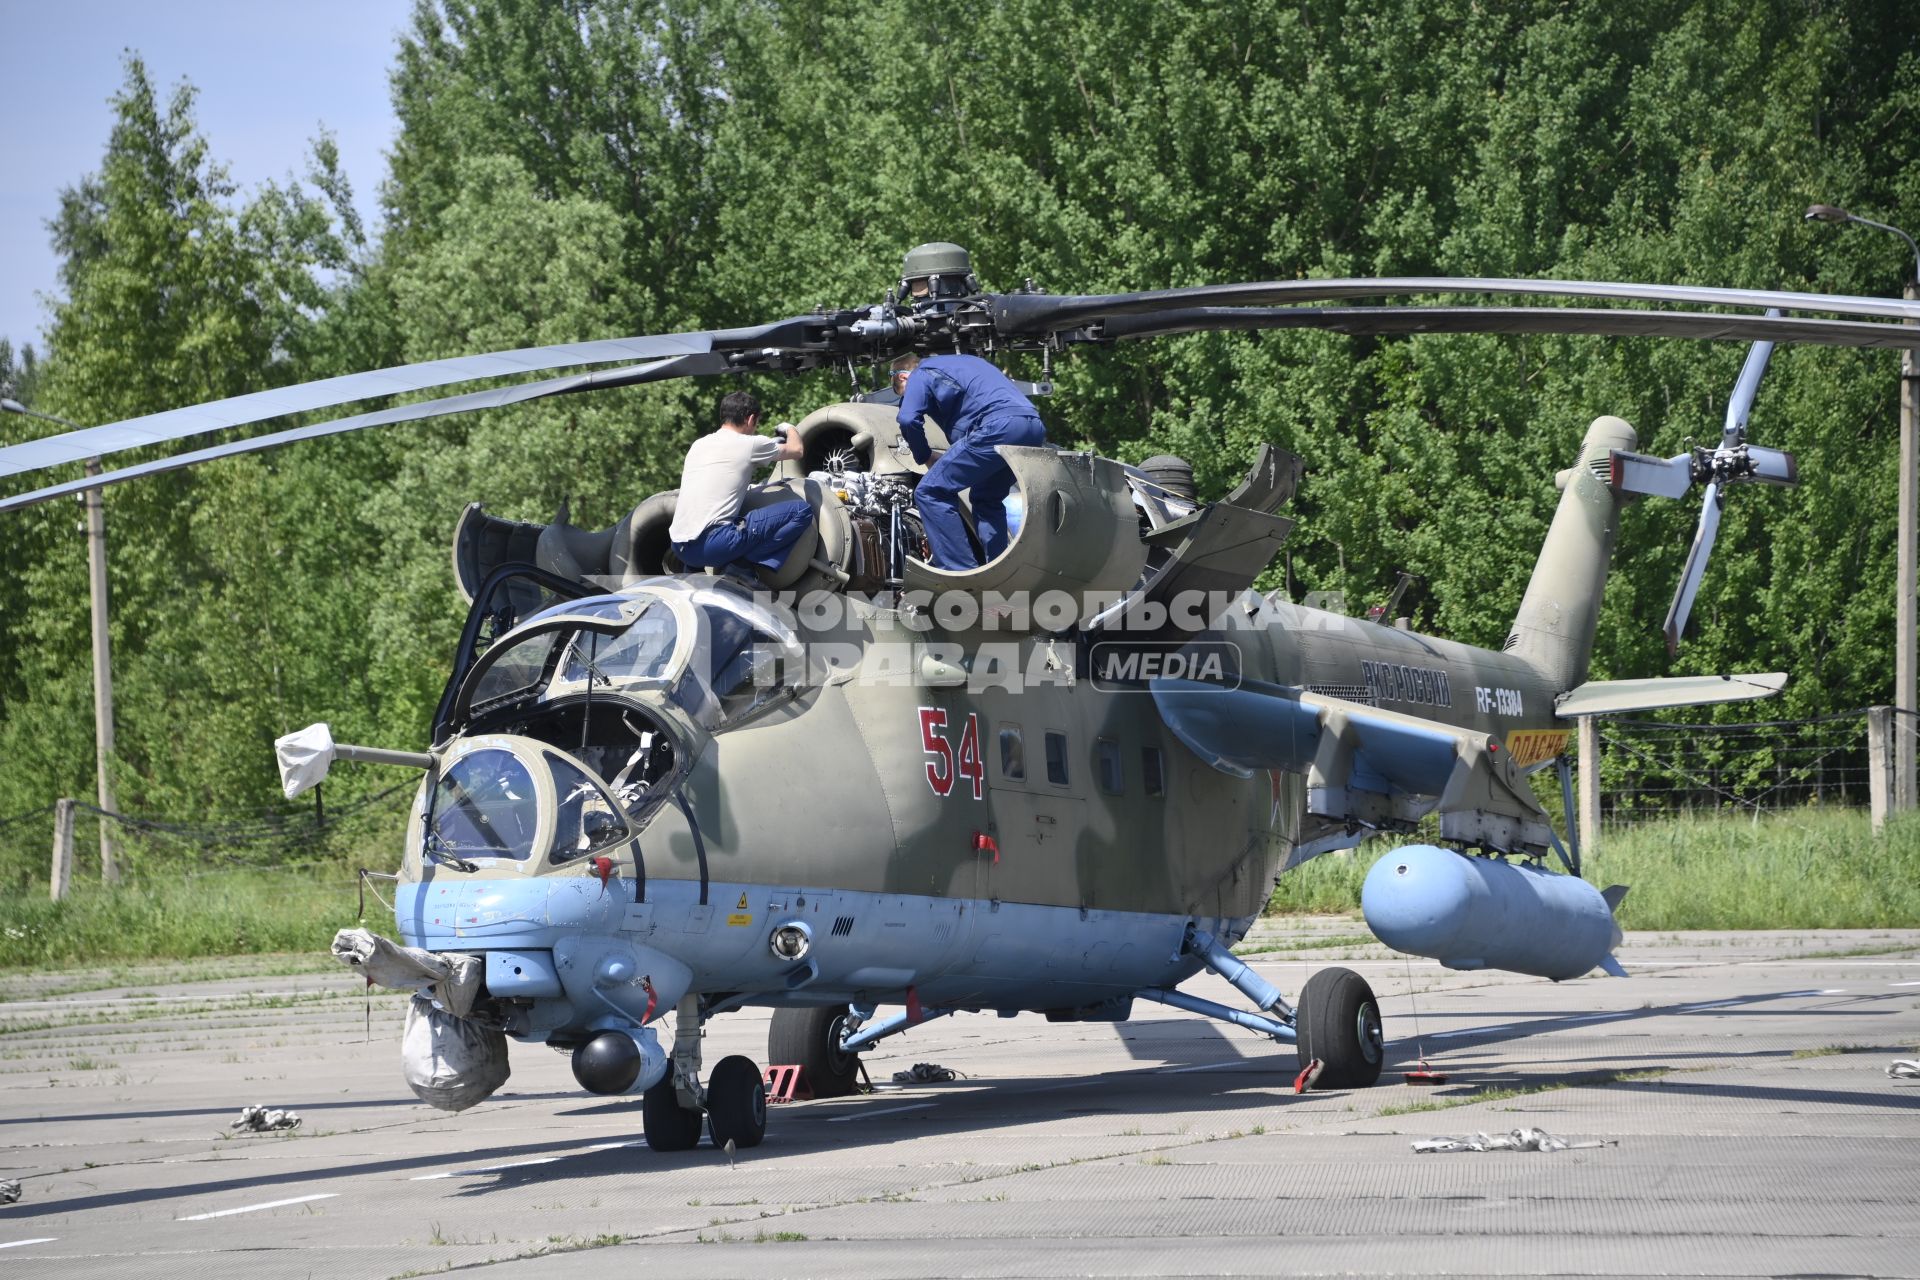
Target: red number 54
{"x":949,"y":763}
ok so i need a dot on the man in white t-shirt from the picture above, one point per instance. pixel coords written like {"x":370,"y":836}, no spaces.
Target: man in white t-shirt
{"x":708,"y":526}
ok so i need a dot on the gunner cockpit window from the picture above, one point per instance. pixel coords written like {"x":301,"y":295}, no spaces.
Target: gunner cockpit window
{"x":485,"y":806}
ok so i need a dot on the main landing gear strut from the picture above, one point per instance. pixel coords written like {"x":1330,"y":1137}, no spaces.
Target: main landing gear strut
{"x":1337,"y":1021}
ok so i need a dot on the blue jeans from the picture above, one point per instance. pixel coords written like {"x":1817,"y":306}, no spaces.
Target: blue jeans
{"x":972,"y":464}
{"x":762,"y":537}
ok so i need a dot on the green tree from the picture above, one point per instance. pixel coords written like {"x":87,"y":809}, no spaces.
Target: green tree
{"x":578,"y":170}
{"x":510,"y":268}
{"x":174,"y":293}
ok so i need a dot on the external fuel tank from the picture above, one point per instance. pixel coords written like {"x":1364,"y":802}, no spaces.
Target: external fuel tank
{"x":1481,"y":913}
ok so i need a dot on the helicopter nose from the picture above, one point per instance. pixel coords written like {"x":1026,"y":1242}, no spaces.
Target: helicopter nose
{"x":447,"y":912}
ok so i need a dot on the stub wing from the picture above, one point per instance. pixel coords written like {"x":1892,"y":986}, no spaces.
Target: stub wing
{"x":1366,"y":766}
{"x":1612,"y":697}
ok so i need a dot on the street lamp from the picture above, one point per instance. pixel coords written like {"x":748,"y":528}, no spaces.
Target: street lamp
{"x":1835,"y":214}
{"x":1905,"y":723}
{"x":102,"y":661}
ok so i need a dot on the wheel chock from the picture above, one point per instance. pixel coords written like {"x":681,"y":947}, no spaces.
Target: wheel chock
{"x":784,"y":1084}
{"x":1308,"y":1075}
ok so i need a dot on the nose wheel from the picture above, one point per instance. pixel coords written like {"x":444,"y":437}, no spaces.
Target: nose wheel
{"x":736,"y":1110}
{"x":736,"y":1104}
{"x":1338,"y":1022}
{"x":668,"y":1125}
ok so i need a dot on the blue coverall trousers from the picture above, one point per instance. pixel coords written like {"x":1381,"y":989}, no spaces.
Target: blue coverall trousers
{"x":972,"y":464}
{"x":763,"y":536}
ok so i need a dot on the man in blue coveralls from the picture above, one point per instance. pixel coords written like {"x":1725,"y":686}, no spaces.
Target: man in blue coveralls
{"x":980,"y":409}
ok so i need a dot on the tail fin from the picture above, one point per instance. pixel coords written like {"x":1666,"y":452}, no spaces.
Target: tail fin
{"x":1555,"y":626}
{"x":1614,"y":895}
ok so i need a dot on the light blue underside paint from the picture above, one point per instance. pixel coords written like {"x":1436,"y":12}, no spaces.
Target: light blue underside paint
{"x":960,"y":952}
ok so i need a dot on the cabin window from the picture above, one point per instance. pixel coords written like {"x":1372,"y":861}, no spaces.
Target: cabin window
{"x":1056,"y":758}
{"x":1113,"y":777}
{"x":1013,"y":754}
{"x":1151,"y":771}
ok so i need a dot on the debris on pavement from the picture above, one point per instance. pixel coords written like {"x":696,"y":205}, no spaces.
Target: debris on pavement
{"x":263,"y":1119}
{"x":9,"y":1191}
{"x":1904,"y":1069}
{"x":1517,"y":1140}
{"x":925,"y":1073}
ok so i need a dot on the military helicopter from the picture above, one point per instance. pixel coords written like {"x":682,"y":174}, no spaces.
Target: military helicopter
{"x":1062,"y":782}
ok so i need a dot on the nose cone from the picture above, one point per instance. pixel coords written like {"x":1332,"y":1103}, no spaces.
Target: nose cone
{"x":1415,"y":898}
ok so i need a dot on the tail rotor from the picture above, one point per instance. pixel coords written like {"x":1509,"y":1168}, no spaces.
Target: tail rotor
{"x":1733,"y":461}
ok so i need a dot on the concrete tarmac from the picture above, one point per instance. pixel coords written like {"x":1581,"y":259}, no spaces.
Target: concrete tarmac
{"x":1738,"y":1080}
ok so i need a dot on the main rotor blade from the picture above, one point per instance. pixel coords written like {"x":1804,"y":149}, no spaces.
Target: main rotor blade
{"x":258,"y":406}
{"x":492,"y":398}
{"x":1697,"y":555}
{"x":1740,"y":403}
{"x":1028,"y":314}
{"x":1514,"y":320}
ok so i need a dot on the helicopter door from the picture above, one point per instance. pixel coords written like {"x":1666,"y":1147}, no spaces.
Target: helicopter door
{"x":1037,"y":768}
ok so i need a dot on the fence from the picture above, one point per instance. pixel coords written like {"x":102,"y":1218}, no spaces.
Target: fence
{"x":1652,"y":770}
{"x":269,"y":840}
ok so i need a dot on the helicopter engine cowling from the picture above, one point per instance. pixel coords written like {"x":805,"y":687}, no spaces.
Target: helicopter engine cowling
{"x":1478,"y":913}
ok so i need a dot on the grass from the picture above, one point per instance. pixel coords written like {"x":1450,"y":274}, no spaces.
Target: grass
{"x":570,"y":1244}
{"x":1801,"y":869}
{"x":758,"y":1237}
{"x":1833,"y":1050}
{"x":1333,"y":943}
{"x":230,"y":913}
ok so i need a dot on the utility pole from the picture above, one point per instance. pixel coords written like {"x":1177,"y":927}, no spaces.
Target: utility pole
{"x":102,"y":671}
{"x":1906,"y":717}
{"x":1906,"y":713}
{"x":102,"y":657}
{"x":1589,"y":756}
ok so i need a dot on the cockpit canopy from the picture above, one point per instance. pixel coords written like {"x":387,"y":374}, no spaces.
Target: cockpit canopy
{"x":704,"y":645}
{"x":506,"y":799}
{"x":567,"y":733}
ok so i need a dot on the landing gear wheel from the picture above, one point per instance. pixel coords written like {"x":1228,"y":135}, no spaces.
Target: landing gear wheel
{"x":1338,"y":1022}
{"x":811,"y":1039}
{"x":669,"y":1126}
{"x":736,"y":1104}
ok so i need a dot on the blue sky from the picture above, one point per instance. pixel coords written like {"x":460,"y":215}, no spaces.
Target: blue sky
{"x":269,"y":72}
